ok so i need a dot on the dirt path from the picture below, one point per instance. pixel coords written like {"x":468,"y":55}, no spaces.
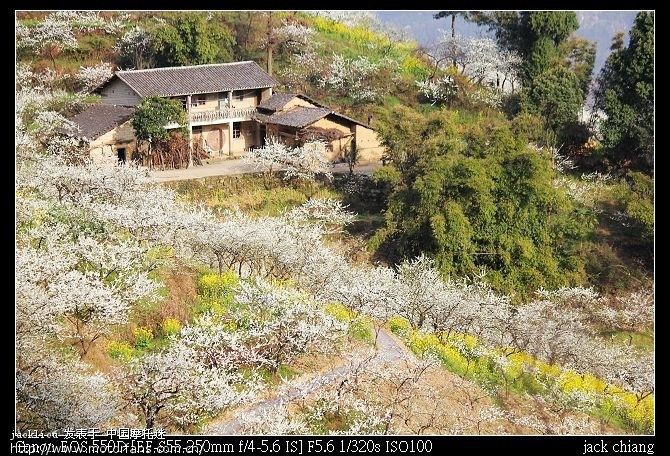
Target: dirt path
{"x":236,"y":166}
{"x":388,"y":350}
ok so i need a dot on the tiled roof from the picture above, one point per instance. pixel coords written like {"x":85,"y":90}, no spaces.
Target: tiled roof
{"x":175,"y":81}
{"x":98,"y":119}
{"x":298,"y":117}
{"x":311,"y":100}
{"x":350,"y":119}
{"x":280,"y":99}
{"x":301,"y":116}
{"x":277,"y":101}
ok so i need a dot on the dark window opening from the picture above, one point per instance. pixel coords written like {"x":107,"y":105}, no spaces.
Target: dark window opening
{"x":197,"y":129}
{"x":198,"y":100}
{"x":263,"y":133}
{"x":121,"y":154}
{"x":237,"y":127}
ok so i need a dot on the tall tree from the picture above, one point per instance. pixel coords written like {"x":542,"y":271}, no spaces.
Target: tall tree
{"x":547,"y":30}
{"x":557,"y":96}
{"x":189,"y":39}
{"x":290,"y":34}
{"x":580,"y":57}
{"x":464,"y":14}
{"x":246,"y":27}
{"x":556,"y":67}
{"x":535,"y":35}
{"x":626,"y":96}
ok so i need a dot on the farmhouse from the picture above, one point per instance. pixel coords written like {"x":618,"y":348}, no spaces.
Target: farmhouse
{"x":230,"y":108}
{"x":297,"y":118}
{"x":108,"y":130}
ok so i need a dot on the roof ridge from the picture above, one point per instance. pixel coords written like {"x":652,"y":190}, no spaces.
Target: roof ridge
{"x":146,"y":70}
{"x":308,"y":107}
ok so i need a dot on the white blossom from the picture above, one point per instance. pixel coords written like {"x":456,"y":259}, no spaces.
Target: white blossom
{"x":305,"y":67}
{"x":178,"y":382}
{"x":135,"y":47}
{"x":481,"y":60}
{"x":70,"y":279}
{"x":328,"y":214}
{"x":303,"y":162}
{"x":276,"y":420}
{"x":285,"y":323}
{"x":295,"y":36}
{"x":92,"y":77}
{"x":349,"y":18}
{"x":357,"y":78}
{"x":440,"y":90}
{"x":52,"y":31}
{"x":55,"y":393}
{"x":89,"y":21}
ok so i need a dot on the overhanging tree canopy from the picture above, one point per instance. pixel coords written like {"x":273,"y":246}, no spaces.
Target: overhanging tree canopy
{"x":153,"y":114}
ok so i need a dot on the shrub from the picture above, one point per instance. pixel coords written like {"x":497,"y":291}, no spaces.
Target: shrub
{"x":528,"y":126}
{"x":143,"y":337}
{"x":120,"y":350}
{"x":216,"y":292}
{"x":476,"y":198}
{"x":171,"y":326}
{"x":639,"y":204}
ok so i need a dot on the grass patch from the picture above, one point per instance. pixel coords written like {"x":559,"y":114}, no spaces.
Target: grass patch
{"x":641,"y":340}
{"x":390,"y":101}
{"x":268,"y":375}
{"x":361,"y":327}
{"x":285,"y":372}
{"x":253,"y":194}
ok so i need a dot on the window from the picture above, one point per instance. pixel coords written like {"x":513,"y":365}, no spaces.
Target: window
{"x":237,"y":127}
{"x":198,"y":100}
{"x":240,"y":95}
{"x":223,"y":100}
{"x":197,"y":129}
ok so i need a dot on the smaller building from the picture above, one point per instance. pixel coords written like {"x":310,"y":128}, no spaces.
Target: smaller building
{"x":296,"y":118}
{"x":108,"y":130}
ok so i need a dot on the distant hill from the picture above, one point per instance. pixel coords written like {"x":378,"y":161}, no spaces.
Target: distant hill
{"x":598,"y":26}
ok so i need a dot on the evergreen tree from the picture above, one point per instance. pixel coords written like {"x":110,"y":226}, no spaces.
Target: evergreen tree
{"x":535,"y":35}
{"x":626,"y":96}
